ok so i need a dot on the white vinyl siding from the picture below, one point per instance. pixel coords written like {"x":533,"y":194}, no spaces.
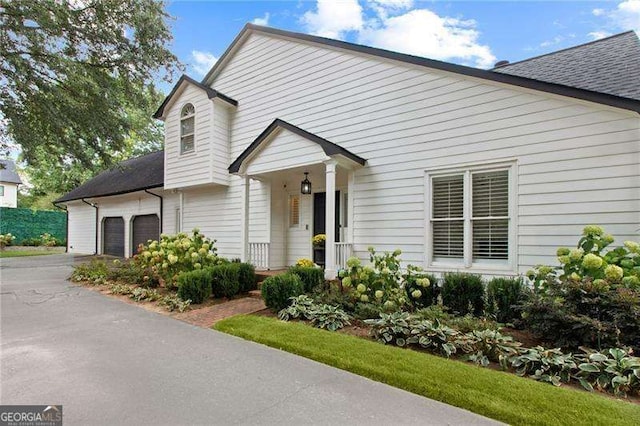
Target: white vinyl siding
{"x":577,"y":161}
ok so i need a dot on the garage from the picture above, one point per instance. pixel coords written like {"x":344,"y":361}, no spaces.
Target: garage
{"x":145,"y":228}
{"x":113,"y":236}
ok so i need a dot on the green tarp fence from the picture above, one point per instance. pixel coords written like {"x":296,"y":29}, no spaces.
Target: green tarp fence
{"x":27,"y":223}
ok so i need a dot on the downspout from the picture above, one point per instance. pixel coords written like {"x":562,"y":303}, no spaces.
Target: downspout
{"x":181,"y":211}
{"x":97,"y":223}
{"x":66,"y":211}
{"x":161,"y":206}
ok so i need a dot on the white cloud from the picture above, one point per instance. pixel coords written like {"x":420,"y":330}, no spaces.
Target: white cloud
{"x":264,"y":21}
{"x":202,"y":61}
{"x":626,"y":16}
{"x":422,"y":32}
{"x":384,"y":8}
{"x":334,"y":18}
{"x":597,"y":35}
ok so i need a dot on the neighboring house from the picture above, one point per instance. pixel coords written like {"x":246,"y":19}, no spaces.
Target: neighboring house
{"x":485,"y":171}
{"x":9,"y":182}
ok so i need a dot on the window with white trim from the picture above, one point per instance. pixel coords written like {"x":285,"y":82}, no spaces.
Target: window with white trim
{"x":470,"y":218}
{"x":187,"y":128}
{"x":294,"y":211}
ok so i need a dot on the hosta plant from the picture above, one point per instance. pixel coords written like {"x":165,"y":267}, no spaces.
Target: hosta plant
{"x":491,"y":343}
{"x":545,"y":365}
{"x":432,"y":335}
{"x":328,"y":317}
{"x":614,"y":370}
{"x":173,"y":303}
{"x":140,"y":294}
{"x":391,"y":328}
{"x":299,"y":308}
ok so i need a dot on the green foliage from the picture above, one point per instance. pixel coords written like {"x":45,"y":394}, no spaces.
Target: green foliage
{"x":195,"y":285}
{"x":421,"y":288}
{"x":491,"y":344}
{"x":174,"y":303}
{"x":614,"y":370}
{"x":391,"y":328}
{"x":279,"y":289}
{"x":141,"y":294}
{"x":26,"y":223}
{"x":364,"y":311}
{"x":129,"y":272}
{"x":463,"y":293}
{"x":121,"y":289}
{"x":311,"y":277}
{"x":76,"y":99}
{"x":328,"y":317}
{"x":434,"y":336}
{"x":94,"y":272}
{"x":545,"y":365}
{"x":505,"y":297}
{"x":504,"y":397}
{"x":175,"y":254}
{"x":463,"y":324}
{"x":247,"y":277}
{"x":225,"y":280}
{"x":298,"y":309}
{"x":6,"y":240}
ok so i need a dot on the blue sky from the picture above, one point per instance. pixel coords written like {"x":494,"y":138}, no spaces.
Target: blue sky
{"x":475,"y":33}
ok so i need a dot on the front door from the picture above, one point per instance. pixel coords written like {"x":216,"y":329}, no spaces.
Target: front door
{"x":320,"y":222}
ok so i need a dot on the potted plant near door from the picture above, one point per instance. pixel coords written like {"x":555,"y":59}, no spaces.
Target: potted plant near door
{"x":319,"y":241}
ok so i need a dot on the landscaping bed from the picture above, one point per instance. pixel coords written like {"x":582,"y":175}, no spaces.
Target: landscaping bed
{"x":494,"y":394}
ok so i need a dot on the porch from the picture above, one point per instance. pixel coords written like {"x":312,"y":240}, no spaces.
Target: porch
{"x":272,"y":169}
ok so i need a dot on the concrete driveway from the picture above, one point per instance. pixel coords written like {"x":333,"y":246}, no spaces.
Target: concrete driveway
{"x":109,"y":362}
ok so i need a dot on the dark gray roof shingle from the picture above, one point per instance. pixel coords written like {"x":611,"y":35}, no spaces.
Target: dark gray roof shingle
{"x":135,"y":174}
{"x":609,"y":65}
{"x":8,"y":172}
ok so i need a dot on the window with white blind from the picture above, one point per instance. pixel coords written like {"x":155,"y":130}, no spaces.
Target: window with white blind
{"x":470,"y":218}
{"x":187,"y":128}
{"x":294,"y":211}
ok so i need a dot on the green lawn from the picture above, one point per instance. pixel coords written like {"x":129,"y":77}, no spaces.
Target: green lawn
{"x":23,"y":253}
{"x":499,"y":395}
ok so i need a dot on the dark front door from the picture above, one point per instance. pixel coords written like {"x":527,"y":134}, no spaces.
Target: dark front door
{"x":145,"y":228}
{"x":319,"y":213}
{"x":113,"y":236}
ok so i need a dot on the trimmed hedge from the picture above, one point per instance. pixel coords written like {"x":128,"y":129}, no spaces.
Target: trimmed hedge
{"x":463,"y":293}
{"x":504,"y":295}
{"x":247,"y":277}
{"x":225,"y":280}
{"x":195,"y":285}
{"x":277,"y":290}
{"x":311,"y":277}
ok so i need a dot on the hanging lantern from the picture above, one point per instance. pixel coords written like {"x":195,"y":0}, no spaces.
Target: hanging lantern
{"x":305,"y":186}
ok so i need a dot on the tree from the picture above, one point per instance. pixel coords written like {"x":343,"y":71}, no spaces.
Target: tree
{"x":75,"y":74}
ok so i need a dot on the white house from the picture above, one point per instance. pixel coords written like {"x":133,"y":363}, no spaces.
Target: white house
{"x":9,"y":182}
{"x":486,"y":171}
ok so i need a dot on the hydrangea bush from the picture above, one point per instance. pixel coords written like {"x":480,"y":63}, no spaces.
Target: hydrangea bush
{"x":6,"y":240}
{"x":174,"y":254}
{"x":383,"y":282}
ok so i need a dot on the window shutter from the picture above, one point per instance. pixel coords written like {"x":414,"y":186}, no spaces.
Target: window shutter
{"x":490,"y":219}
{"x":447,"y":216}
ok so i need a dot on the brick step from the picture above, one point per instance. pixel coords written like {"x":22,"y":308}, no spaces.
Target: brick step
{"x":255,"y":294}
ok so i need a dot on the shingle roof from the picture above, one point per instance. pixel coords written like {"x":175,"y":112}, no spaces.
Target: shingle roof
{"x":135,"y":174}
{"x":211,"y":93}
{"x":8,"y":172}
{"x":609,"y":65}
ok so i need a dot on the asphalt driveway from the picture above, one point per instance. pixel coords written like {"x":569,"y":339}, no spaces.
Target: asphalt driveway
{"x":109,"y":362}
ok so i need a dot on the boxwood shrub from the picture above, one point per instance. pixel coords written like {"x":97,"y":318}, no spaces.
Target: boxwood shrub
{"x":246,"y":277}
{"x":463,"y":293}
{"x":505,"y":297}
{"x":195,"y":285}
{"x":225,"y":280}
{"x":311,"y":277}
{"x":277,"y":290}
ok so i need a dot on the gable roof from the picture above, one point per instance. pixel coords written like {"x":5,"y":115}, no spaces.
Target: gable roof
{"x":609,"y":65}
{"x":211,"y":93}
{"x":329,"y":148}
{"x":8,"y":172}
{"x":491,"y":75}
{"x":135,"y":174}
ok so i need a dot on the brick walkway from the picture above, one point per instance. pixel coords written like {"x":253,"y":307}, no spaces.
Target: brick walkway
{"x":206,"y":317}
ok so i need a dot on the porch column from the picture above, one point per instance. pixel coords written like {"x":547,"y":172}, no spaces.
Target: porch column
{"x":244,"y":219}
{"x":330,"y":224}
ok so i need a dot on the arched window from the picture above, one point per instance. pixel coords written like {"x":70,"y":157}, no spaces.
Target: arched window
{"x":187,"y":128}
